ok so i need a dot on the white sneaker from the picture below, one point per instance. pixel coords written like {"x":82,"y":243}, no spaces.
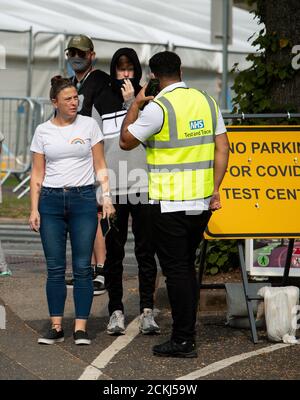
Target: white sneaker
{"x":116,"y":324}
{"x":148,"y":325}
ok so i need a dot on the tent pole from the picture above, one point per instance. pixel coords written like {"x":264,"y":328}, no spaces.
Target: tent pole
{"x":61,"y":56}
{"x":29,"y":63}
{"x":224,"y":103}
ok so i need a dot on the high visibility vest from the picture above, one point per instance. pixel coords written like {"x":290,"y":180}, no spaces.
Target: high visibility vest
{"x":180,"y":156}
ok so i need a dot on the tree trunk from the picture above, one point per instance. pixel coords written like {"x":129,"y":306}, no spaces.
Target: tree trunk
{"x":283,"y":17}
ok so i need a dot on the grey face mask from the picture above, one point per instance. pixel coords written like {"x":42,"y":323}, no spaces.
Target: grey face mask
{"x":79,"y":64}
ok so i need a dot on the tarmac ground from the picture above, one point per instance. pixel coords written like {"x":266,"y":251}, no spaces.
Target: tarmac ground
{"x":23,"y":296}
{"x":223,"y":353}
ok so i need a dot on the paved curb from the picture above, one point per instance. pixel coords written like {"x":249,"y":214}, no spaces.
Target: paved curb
{"x":212,"y":300}
{"x":4,"y":220}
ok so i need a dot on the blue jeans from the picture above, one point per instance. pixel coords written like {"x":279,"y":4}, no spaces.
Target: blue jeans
{"x":72,"y":210}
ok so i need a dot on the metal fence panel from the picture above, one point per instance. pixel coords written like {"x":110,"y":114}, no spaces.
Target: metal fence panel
{"x":16,"y":124}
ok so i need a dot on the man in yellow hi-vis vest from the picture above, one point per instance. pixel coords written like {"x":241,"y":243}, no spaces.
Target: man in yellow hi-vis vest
{"x":187,"y":154}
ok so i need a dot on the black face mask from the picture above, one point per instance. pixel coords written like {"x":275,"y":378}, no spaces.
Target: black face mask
{"x":120,"y":82}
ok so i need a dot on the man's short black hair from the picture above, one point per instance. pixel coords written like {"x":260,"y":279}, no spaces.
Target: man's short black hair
{"x":165,"y":63}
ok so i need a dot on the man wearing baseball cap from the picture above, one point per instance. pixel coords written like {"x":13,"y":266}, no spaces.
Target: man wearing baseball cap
{"x":89,"y":82}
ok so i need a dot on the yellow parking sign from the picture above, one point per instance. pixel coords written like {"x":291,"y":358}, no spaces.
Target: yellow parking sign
{"x":260,"y":193}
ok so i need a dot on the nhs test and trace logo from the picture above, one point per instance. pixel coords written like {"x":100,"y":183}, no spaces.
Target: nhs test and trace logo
{"x":197,"y":124}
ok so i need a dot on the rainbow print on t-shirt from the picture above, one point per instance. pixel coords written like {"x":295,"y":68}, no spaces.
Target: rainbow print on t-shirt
{"x":77,"y":141}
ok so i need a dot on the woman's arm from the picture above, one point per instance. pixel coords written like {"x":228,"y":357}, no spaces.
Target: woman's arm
{"x":37,"y":177}
{"x":102,"y":176}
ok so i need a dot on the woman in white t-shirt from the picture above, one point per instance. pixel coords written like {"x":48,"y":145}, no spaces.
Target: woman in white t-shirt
{"x":67,"y":153}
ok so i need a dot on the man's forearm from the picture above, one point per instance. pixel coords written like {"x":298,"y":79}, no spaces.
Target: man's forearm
{"x":221,"y":160}
{"x":220,"y":165}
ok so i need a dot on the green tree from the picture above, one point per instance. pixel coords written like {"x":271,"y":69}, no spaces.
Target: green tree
{"x":271,"y":83}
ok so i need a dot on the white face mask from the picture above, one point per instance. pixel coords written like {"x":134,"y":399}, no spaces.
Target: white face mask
{"x":79,"y":64}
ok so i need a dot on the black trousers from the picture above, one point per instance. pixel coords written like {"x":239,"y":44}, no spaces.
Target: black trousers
{"x":143,"y":248}
{"x":177,"y":236}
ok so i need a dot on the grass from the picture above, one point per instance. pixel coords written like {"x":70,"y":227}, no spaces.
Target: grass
{"x":12,"y":207}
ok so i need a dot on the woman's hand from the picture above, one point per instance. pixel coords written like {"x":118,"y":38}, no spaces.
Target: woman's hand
{"x":108,"y":209}
{"x":127,"y":90}
{"x":35,"y":221}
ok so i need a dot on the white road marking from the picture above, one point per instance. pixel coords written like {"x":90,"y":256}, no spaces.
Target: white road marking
{"x":90,"y":374}
{"x":217,"y":366}
{"x":93,"y":371}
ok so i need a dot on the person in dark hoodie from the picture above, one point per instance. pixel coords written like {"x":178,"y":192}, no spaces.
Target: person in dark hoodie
{"x":129,"y":186}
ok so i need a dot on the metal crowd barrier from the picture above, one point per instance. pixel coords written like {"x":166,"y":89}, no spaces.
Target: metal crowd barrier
{"x":19,"y":116}
{"x":17,"y":121}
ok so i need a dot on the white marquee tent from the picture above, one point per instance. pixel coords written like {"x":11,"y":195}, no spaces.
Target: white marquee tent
{"x":147,"y":26}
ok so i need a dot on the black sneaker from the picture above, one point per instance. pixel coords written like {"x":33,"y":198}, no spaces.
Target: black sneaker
{"x":99,"y":287}
{"x":98,"y":271}
{"x":81,"y":338}
{"x":70,"y":283}
{"x":170,"y":348}
{"x":99,"y":281}
{"x":52,"y":337}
